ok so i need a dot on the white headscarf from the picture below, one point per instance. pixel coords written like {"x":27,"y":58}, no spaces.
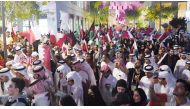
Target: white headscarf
{"x":73,"y":75}
{"x":168,"y":69}
{"x":6,"y":73}
{"x":23,"y":71}
{"x":64,"y":69}
{"x":169,"y":79}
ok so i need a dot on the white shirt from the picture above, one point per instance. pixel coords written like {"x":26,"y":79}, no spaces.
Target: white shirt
{"x":186,"y":74}
{"x":84,"y":76}
{"x":130,"y":65}
{"x":118,"y":74}
{"x":179,"y":67}
{"x":172,"y":101}
{"x":145,"y":85}
{"x":77,"y":94}
{"x":105,"y":92}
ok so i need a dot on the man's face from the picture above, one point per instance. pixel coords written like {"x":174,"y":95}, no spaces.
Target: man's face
{"x":183,"y":57}
{"x":87,"y":57}
{"x":149,"y":74}
{"x":76,"y":68}
{"x":162,"y":81}
{"x":34,"y":58}
{"x":160,"y":51}
{"x":147,"y":61}
{"x":3,"y":78}
{"x":171,"y":52}
{"x":12,"y":90}
{"x":71,"y":82}
{"x":104,"y":58}
{"x":78,"y":53}
{"x":179,"y":89}
{"x":18,"y":52}
{"x":138,"y":64}
{"x":60,"y":75}
{"x":36,"y":76}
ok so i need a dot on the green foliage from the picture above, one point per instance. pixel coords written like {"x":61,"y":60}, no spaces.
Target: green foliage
{"x":21,"y":9}
{"x":100,"y":13}
{"x":153,"y":13}
{"x":133,"y":14}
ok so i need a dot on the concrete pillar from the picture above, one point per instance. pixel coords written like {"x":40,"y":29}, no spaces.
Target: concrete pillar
{"x":64,"y":21}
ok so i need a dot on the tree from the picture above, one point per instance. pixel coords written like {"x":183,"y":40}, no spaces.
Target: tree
{"x":153,"y":13}
{"x":160,"y":12}
{"x":100,"y":11}
{"x":133,"y":14}
{"x":21,"y":10}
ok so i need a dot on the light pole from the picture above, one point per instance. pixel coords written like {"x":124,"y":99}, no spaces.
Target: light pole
{"x":3,"y":30}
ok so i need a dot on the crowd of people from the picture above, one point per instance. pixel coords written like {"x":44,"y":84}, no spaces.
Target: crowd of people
{"x":103,"y":67}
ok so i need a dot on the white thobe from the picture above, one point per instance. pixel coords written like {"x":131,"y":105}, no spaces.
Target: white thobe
{"x":107,"y":92}
{"x":145,"y":85}
{"x":77,"y":94}
{"x":86,"y":67}
{"x":186,"y":74}
{"x":130,"y":65}
{"x":118,"y":74}
{"x":179,"y":67}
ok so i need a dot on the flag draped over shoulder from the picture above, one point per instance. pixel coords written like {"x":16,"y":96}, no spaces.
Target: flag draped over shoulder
{"x":29,"y":34}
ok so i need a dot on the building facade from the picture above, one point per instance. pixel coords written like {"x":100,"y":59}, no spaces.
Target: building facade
{"x":66,"y":15}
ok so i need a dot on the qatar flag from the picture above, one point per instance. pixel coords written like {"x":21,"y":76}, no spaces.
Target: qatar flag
{"x":44,"y":55}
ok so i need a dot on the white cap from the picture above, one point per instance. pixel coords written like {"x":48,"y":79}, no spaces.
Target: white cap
{"x":188,"y":62}
{"x":164,"y":68}
{"x":37,"y":62}
{"x":162,"y":74}
{"x":34,"y":54}
{"x":21,"y":69}
{"x":131,"y":54}
{"x":5,"y":72}
{"x":149,"y":68}
{"x":147,"y":56}
{"x":17,"y":48}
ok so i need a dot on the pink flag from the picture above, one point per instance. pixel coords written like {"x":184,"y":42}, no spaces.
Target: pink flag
{"x":52,"y":39}
{"x":29,"y":35}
